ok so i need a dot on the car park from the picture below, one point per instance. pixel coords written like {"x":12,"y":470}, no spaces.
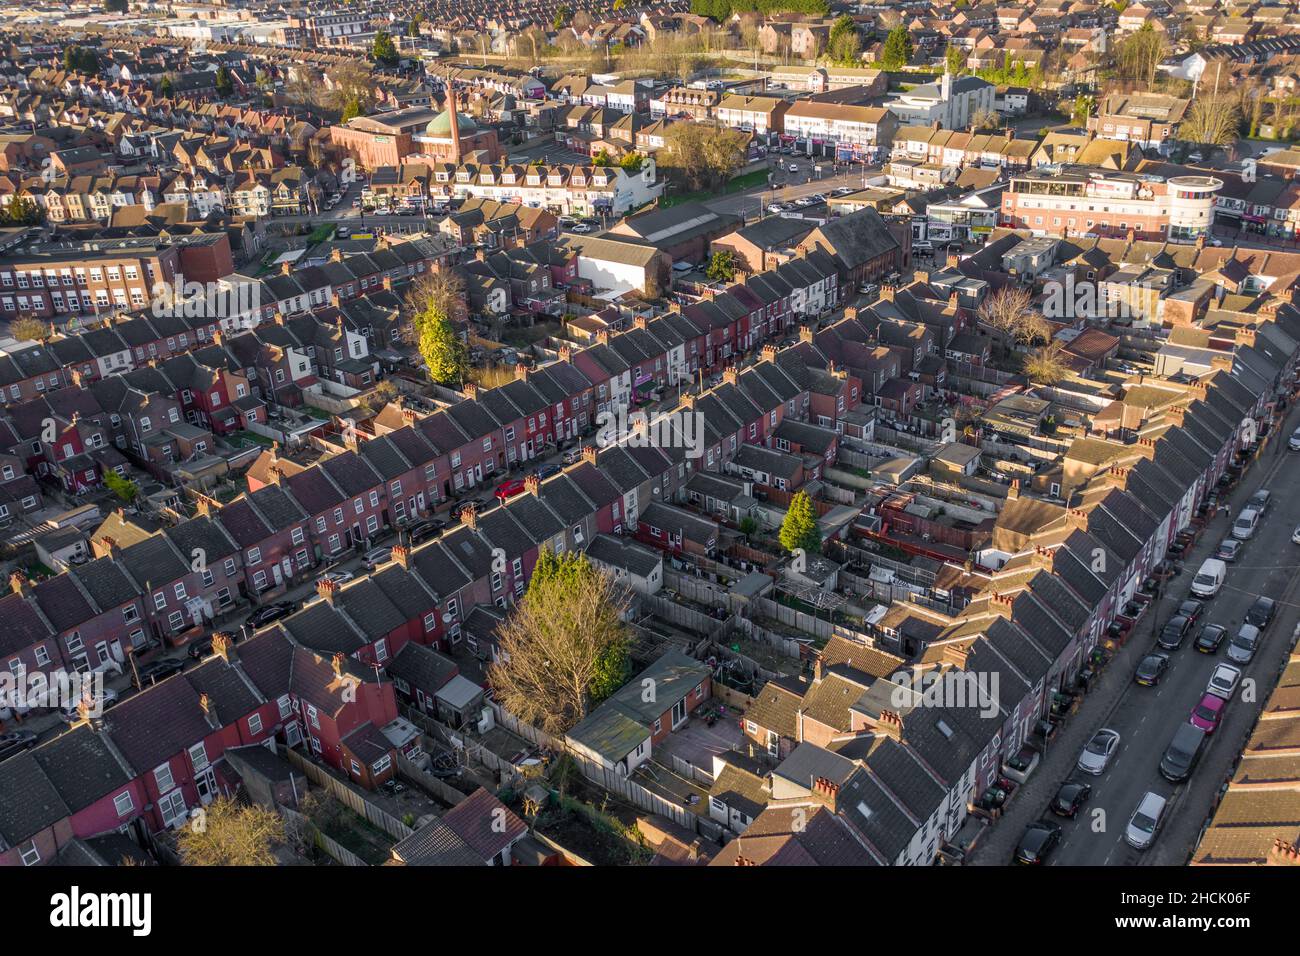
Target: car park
{"x":1099,"y":750}
{"x":1038,"y":842}
{"x":1246,"y":524}
{"x":1172,"y":634}
{"x":1152,"y":668}
{"x":1070,"y":799}
{"x":1182,"y":754}
{"x":1207,"y":713}
{"x":1224,"y":681}
{"x":1261,"y":612}
{"x":1211,"y":636}
{"x":1242,"y":647}
{"x":1145,"y":822}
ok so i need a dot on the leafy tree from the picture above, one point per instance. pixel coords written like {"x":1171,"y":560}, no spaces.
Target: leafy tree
{"x":619,"y":4}
{"x":28,"y":328}
{"x":562,"y":17}
{"x":1082,"y":109}
{"x":602,"y":158}
{"x":704,"y":155}
{"x":954,"y":60}
{"x":225,"y":85}
{"x":565,"y":645}
{"x":898,"y":49}
{"x":165,"y":87}
{"x":631,"y":163}
{"x":124,"y":488}
{"x":441,"y":347}
{"x":413,"y":27}
{"x":227,"y":833}
{"x":384,"y":51}
{"x":799,"y":527}
{"x":985,"y":119}
{"x":351,"y":110}
{"x":845,"y":43}
{"x":20,"y":210}
{"x":722,"y":267}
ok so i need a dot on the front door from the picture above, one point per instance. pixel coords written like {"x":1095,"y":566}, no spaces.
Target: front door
{"x":206,"y":783}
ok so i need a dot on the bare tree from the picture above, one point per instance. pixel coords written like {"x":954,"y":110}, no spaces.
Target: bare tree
{"x":1046,"y":365}
{"x":1213,"y":120}
{"x":1007,"y":312}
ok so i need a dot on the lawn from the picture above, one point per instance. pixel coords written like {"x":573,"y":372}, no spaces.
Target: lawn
{"x":737,"y":185}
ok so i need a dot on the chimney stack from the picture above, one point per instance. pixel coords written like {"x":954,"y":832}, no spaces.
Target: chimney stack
{"x":589,"y":454}
{"x":401,"y":556}
{"x":339,"y":662}
{"x":223,"y":645}
{"x":19,"y":583}
{"x":327,"y":588}
{"x":469,"y":517}
{"x":533,"y":485}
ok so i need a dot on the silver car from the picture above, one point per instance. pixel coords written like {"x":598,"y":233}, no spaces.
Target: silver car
{"x":1097,"y":754}
{"x":1142,"y":826}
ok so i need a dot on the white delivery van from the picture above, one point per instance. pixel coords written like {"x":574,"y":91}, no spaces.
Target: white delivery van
{"x":1209,"y":579}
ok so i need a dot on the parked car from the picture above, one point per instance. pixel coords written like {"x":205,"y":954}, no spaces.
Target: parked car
{"x":1241,"y":650}
{"x":155,"y":671}
{"x":15,"y":742}
{"x":338,"y":577}
{"x":1294,"y":441}
{"x":775,"y":208}
{"x":581,"y":227}
{"x":1152,"y":668}
{"x":107,"y":699}
{"x":1295,"y":535}
{"x":1229,"y":548}
{"x":1145,"y":822}
{"x":1224,"y":681}
{"x":425,"y":529}
{"x":1172,"y":634}
{"x":199,"y":648}
{"x":1182,"y":753}
{"x":1070,"y":799}
{"x":1099,"y":751}
{"x":1261,"y":612}
{"x":1206,"y":714}
{"x":508,"y":489}
{"x":573,"y":455}
{"x":1191,"y":609}
{"x":1260,"y":501}
{"x":542,"y":472}
{"x":1246,"y":524}
{"x":1211,"y":636}
{"x":1038,"y":842}
{"x":270,"y":612}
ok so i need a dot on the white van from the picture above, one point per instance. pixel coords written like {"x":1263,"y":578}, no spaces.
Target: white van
{"x":1209,"y":579}
{"x":1142,"y":826}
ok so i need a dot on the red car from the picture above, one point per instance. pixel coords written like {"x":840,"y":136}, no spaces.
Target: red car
{"x":508,"y":489}
{"x":1207,"y":713}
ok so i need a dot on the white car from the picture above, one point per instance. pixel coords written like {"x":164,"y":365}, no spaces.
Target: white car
{"x":377,"y":557}
{"x":1295,"y":535}
{"x":338,"y":577}
{"x":1243,"y":529}
{"x":1099,"y":751}
{"x":69,"y":709}
{"x":794,"y":168}
{"x":1224,"y":681}
{"x":1294,"y":441}
{"x":776,"y":207}
{"x":581,"y":227}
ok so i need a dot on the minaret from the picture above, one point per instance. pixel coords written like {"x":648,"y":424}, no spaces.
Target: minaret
{"x":455,"y":122}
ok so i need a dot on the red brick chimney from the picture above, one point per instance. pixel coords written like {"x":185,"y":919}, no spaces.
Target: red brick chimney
{"x":328,"y":589}
{"x":402,"y":556}
{"x":339,"y":663}
{"x":19,"y":583}
{"x":533,"y":485}
{"x":223,"y":645}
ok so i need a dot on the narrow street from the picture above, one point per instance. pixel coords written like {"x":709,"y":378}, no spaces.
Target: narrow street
{"x":1147,"y":717}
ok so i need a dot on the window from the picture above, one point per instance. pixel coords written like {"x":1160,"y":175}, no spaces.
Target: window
{"x":31,"y":856}
{"x":255,"y":724}
{"x":296,"y":536}
{"x":230,"y":567}
{"x":123,"y":803}
{"x":130,"y":614}
{"x":180,"y":591}
{"x":162,"y":776}
{"x":313,"y":717}
{"x":176,"y":621}
{"x":382,"y":764}
{"x":286,"y":708}
{"x":159,"y":601}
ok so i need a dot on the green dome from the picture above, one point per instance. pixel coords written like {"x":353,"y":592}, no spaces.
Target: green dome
{"x":440,"y":125}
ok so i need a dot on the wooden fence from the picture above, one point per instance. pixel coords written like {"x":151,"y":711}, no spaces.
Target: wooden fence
{"x":350,"y":796}
{"x":335,"y":850}
{"x":428,"y":782}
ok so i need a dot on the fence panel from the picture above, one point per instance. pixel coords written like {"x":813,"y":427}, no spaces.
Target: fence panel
{"x":335,"y":850}
{"x":350,"y":797}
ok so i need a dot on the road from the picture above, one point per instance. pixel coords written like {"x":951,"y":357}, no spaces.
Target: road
{"x":1147,"y":717}
{"x":787,"y":186}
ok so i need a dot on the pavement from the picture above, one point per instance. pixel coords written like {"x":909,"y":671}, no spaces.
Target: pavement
{"x":1147,"y":717}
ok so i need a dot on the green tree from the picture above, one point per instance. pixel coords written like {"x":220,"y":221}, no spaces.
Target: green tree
{"x":21,"y":210}
{"x":124,"y":488}
{"x":562,"y":17}
{"x":351,"y":110}
{"x":225,"y":85}
{"x":845,"y":43}
{"x":898,"y":49}
{"x":441,"y":347}
{"x":703,"y":155}
{"x":722,"y":267}
{"x":799,"y":527}
{"x":413,"y":27}
{"x":955,"y":60}
{"x":28,"y":328}
{"x":565,"y":647}
{"x":384,"y":50}
{"x":631,"y":163}
{"x":1046,"y":365}
{"x":165,"y":87}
